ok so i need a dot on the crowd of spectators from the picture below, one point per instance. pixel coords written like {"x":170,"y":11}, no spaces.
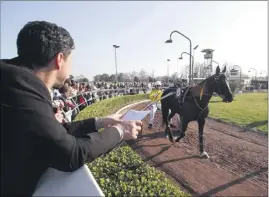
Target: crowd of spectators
{"x":72,"y":97}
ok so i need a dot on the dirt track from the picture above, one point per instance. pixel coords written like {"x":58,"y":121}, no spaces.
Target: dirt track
{"x":238,"y":164}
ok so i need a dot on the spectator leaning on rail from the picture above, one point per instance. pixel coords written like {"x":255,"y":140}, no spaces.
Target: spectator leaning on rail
{"x":154,"y":95}
{"x":32,"y":138}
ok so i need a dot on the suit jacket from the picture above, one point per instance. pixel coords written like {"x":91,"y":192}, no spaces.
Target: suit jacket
{"x":33,"y":140}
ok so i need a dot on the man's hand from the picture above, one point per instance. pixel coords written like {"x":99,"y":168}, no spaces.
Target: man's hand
{"x":130,"y":129}
{"x":112,"y":120}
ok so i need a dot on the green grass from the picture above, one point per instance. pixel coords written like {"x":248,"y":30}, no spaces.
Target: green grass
{"x":109,"y":106}
{"x":248,"y":110}
{"x":122,"y":172}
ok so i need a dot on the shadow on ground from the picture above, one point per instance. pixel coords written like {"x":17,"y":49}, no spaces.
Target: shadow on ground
{"x":234,"y":182}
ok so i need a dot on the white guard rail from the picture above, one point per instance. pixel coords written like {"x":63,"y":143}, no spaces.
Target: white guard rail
{"x":78,"y":183}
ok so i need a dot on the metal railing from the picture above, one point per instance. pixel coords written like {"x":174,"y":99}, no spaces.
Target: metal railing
{"x":93,"y":96}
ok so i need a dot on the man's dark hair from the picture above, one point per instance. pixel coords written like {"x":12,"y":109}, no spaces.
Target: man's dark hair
{"x":39,"y":42}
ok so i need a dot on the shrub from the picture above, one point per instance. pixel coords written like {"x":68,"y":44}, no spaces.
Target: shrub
{"x":122,"y":172}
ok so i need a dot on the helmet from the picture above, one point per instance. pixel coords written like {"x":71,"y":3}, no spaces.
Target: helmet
{"x":158,"y":83}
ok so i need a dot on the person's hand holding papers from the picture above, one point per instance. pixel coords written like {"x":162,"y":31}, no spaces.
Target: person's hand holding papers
{"x":130,"y":129}
{"x":112,"y":120}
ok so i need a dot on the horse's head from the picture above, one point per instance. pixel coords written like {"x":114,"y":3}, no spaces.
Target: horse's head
{"x":222,"y":87}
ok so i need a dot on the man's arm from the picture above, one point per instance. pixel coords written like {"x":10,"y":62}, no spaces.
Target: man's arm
{"x":66,"y":152}
{"x":151,"y":95}
{"x":159,"y":96}
{"x":83,"y":127}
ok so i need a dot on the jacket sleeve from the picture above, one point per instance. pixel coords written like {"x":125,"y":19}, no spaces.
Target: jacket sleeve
{"x":81,"y":128}
{"x":66,"y":152}
{"x":151,"y":95}
{"x":159,"y":95}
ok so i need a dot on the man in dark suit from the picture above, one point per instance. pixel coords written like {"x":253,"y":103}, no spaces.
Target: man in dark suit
{"x":32,"y":139}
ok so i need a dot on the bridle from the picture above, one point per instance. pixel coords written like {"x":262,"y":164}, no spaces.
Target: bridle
{"x":216,"y":80}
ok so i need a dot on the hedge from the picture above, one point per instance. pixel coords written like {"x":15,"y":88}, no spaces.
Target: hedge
{"x":109,"y":106}
{"x":122,"y":172}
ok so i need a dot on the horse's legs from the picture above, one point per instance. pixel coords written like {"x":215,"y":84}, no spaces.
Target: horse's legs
{"x":171,"y":115}
{"x":182,"y":128}
{"x":201,"y":124}
{"x":168,"y":133}
{"x":165,"y":111}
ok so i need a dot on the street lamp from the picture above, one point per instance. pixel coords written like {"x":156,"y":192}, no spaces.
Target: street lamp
{"x":185,"y":53}
{"x":168,"y":60}
{"x":193,"y":59}
{"x":240,"y":77}
{"x":116,"y":47}
{"x":255,"y":75}
{"x":170,"y":41}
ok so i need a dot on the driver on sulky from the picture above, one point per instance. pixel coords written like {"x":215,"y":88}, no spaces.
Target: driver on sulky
{"x":154,"y":96}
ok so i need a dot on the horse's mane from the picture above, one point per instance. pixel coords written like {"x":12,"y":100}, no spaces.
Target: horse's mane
{"x":202,"y":82}
{"x":197,"y":88}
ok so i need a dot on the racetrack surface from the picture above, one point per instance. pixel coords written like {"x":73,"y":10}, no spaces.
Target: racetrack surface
{"x":238,"y":164}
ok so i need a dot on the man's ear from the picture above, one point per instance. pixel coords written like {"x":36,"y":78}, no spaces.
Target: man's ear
{"x":59,"y":61}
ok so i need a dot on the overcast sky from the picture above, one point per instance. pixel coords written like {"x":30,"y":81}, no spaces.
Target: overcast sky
{"x":237,"y":31}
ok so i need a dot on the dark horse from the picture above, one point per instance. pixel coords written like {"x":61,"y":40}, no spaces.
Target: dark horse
{"x":194,"y":105}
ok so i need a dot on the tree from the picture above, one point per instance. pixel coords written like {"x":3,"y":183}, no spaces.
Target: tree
{"x":136,"y":79}
{"x":85,"y":80}
{"x":158,"y":78}
{"x":142,"y":75}
{"x":132,"y":75}
{"x":125,"y":77}
{"x":121,"y":77}
{"x":174,"y":77}
{"x":151,"y":79}
{"x":185,"y":72}
{"x":112,"y":78}
{"x":105,"y":77}
{"x":97,"y":78}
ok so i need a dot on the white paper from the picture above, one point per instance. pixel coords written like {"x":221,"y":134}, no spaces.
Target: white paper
{"x":135,"y":115}
{"x":78,"y":183}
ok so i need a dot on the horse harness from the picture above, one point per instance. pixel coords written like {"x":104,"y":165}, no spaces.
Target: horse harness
{"x":183,"y":97}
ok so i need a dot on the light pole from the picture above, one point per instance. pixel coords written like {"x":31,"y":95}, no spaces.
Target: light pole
{"x":255,"y":75}
{"x":168,"y":60}
{"x":193,"y":59}
{"x":192,"y":62}
{"x":240,"y":77}
{"x":116,"y":47}
{"x":185,"y":53}
{"x":170,"y":41}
